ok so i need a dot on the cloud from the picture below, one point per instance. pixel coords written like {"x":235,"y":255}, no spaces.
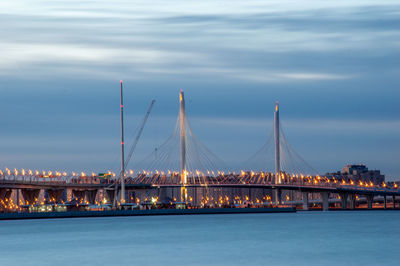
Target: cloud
{"x":287,"y":77}
{"x":330,"y":62}
{"x":17,"y":55}
{"x":207,"y":40}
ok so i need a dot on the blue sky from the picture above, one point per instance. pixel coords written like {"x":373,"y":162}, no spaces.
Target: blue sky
{"x":333,"y":66}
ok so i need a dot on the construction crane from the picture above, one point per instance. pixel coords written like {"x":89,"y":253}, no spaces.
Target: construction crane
{"x":135,"y":142}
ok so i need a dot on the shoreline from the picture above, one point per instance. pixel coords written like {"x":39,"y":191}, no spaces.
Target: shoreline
{"x":153,"y":212}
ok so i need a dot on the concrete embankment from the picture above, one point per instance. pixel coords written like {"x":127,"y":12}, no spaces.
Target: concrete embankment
{"x":78,"y":214}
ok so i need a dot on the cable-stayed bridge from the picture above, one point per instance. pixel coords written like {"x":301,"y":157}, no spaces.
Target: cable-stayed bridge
{"x":183,"y":169}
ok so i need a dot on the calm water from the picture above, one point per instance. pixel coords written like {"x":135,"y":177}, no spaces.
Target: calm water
{"x":312,"y":238}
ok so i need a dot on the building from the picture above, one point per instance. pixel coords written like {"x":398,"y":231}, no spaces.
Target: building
{"x":358,"y":172}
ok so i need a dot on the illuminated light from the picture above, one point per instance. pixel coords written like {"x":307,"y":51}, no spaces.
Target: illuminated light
{"x":122,"y":143}
{"x":120,"y":81}
{"x":122,"y":106}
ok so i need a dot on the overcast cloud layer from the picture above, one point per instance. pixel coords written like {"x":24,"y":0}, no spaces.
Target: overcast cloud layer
{"x":334,"y":67}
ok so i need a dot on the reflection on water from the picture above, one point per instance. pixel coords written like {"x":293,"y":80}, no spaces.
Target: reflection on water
{"x":310,"y":238}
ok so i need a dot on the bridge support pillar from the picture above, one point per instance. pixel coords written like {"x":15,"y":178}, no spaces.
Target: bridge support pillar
{"x":18,"y":200}
{"x":343,"y":198}
{"x":30,"y":195}
{"x":305,"y":201}
{"x":278,"y":196}
{"x":325,"y":201}
{"x":79,"y":195}
{"x":352,"y":201}
{"x":370,"y":200}
{"x":91,"y":196}
{"x":55,"y":195}
{"x":394,"y":202}
{"x":384,"y":202}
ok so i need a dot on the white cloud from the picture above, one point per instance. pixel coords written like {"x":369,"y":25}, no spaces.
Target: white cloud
{"x":313,"y":76}
{"x":92,"y":38}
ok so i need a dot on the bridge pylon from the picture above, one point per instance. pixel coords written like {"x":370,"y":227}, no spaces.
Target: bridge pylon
{"x":182,"y":125}
{"x":182,"y":129}
{"x":277,"y":145}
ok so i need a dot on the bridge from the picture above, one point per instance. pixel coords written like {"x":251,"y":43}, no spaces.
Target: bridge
{"x":184,"y":170}
{"x":224,"y":189}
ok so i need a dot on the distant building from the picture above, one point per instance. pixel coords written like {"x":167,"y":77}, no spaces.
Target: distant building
{"x":358,"y":172}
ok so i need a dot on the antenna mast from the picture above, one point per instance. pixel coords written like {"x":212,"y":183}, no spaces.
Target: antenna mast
{"x":122,"y":150}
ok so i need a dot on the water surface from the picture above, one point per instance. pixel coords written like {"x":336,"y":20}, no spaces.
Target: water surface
{"x":303,"y":238}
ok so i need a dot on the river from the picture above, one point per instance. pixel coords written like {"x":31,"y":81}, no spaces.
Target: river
{"x":302,"y":238}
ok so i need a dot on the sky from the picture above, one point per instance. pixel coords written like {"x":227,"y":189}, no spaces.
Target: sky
{"x":333,"y":66}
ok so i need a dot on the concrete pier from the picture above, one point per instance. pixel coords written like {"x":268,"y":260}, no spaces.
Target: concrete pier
{"x":370,"y":200}
{"x":305,"y":201}
{"x":343,"y":199}
{"x":325,"y":201}
{"x":277,"y":196}
{"x":352,"y":201}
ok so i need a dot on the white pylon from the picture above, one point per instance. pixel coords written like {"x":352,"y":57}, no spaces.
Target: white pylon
{"x":277,"y":145}
{"x":182,"y":124}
